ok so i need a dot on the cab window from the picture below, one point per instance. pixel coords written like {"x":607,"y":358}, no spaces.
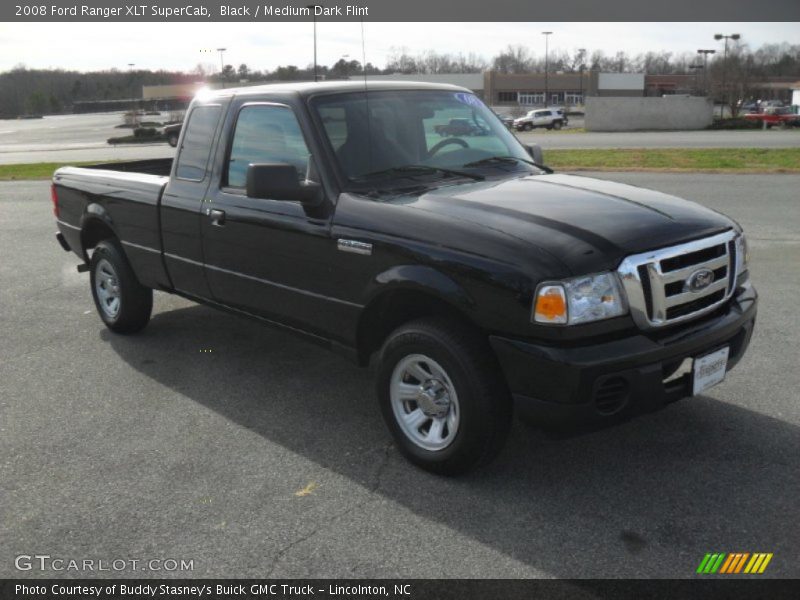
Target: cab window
{"x":265,"y":134}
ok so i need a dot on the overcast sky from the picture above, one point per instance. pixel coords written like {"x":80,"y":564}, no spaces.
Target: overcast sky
{"x":179,"y":46}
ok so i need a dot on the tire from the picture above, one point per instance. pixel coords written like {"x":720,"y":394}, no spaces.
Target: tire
{"x":449,"y":369}
{"x":122,"y":302}
{"x":557,"y":125}
{"x":527,"y":127}
{"x":172,"y":140}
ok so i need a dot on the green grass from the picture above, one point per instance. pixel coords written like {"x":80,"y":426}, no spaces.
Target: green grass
{"x":37,"y":170}
{"x":708,"y":160}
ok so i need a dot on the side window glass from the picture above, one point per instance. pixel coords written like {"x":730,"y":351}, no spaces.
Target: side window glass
{"x":266,"y":134}
{"x":197,"y":141}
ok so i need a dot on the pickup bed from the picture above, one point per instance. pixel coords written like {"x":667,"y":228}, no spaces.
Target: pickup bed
{"x":476,"y":280}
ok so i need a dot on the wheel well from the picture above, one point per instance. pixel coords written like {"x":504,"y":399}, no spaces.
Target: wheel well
{"x":94,"y":232}
{"x":390,"y":310}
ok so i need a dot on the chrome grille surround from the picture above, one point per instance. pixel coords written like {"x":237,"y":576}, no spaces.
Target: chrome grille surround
{"x":645,"y":280}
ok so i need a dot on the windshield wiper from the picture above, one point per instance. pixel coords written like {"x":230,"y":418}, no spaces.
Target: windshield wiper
{"x":410,"y":169}
{"x":506,"y":159}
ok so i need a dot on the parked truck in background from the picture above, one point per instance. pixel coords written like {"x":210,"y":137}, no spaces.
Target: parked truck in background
{"x":475,"y":279}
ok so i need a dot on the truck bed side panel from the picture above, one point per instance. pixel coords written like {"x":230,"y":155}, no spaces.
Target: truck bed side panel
{"x":125,"y":202}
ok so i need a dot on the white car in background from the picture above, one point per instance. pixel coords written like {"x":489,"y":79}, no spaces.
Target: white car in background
{"x":549,"y":118}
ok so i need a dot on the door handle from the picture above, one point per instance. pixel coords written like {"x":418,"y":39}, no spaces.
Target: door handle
{"x":217,"y":217}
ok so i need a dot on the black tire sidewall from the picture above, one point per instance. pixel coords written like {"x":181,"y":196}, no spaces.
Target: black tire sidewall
{"x":476,"y":419}
{"x":136,"y":301}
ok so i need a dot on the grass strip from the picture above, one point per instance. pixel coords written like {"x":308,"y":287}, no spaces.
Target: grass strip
{"x":678,"y":160}
{"x":701,"y":160}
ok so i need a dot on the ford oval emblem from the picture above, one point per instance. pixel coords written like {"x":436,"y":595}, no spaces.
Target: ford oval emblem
{"x":699,"y":280}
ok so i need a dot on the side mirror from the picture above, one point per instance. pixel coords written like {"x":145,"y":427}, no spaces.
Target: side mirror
{"x":535,"y":152}
{"x":278,"y":181}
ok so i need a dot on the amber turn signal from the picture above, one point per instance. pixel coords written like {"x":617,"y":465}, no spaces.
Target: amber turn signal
{"x":551,"y":305}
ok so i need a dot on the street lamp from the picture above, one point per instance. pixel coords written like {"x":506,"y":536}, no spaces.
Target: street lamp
{"x":720,"y":36}
{"x":312,"y":8}
{"x":705,"y":54}
{"x":546,"y":35}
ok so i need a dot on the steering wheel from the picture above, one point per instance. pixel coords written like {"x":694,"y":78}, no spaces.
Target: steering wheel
{"x":443,"y":143}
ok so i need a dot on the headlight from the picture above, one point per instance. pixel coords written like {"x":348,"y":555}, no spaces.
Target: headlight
{"x":579,"y":300}
{"x":742,"y":254}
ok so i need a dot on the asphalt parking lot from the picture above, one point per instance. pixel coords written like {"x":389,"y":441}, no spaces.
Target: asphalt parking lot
{"x":211,"y":439}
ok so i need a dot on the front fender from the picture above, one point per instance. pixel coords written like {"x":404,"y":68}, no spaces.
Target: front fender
{"x":420,"y":278}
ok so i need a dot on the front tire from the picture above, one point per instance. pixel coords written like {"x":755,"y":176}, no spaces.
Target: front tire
{"x":527,"y":127}
{"x":122,"y":302}
{"x":442,"y":396}
{"x":557,"y":125}
{"x":172,"y":139}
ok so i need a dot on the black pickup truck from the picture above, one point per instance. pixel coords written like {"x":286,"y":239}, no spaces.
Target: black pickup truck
{"x":474,"y":278}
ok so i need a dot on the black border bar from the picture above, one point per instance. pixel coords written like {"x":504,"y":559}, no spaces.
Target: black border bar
{"x":730,"y":588}
{"x":407,"y":10}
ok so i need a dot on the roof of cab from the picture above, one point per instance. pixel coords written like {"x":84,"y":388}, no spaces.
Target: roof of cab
{"x":308,"y":88}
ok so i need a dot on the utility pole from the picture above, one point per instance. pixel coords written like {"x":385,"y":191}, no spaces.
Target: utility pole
{"x":546,"y":35}
{"x":581,"y":67}
{"x":313,"y":9}
{"x":221,"y":61}
{"x":705,"y":54}
{"x":720,"y":36}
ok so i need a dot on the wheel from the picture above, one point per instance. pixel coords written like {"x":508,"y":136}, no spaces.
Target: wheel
{"x":527,"y":127}
{"x":557,"y":125}
{"x":442,"y":396}
{"x":172,"y":139}
{"x":124,"y":304}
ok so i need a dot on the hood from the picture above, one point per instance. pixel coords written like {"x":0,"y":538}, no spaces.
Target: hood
{"x":588,"y":224}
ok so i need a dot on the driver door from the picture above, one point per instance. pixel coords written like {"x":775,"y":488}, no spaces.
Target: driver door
{"x":268,"y":257}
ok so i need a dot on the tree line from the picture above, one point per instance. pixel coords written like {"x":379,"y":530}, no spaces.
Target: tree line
{"x":26,"y":91}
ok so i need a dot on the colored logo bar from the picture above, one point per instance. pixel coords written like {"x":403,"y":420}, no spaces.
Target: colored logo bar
{"x":734,"y":562}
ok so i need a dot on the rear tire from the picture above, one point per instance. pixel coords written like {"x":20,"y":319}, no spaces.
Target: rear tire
{"x":123,"y":303}
{"x":442,"y":396}
{"x":172,"y":139}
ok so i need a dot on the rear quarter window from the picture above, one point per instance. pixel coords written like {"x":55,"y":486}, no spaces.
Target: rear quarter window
{"x":197,"y":142}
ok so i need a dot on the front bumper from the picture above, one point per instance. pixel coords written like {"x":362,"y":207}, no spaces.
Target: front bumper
{"x":554,"y":383}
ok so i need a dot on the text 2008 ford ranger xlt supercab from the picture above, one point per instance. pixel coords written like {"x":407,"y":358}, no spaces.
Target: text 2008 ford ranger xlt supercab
{"x":478,"y":280}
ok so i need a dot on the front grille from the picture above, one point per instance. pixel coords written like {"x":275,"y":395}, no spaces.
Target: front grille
{"x":681,"y":282}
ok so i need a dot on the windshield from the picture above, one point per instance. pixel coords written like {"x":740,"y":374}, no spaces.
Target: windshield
{"x":437,"y":134}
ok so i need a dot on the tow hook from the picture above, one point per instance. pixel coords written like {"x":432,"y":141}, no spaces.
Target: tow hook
{"x":82,"y":268}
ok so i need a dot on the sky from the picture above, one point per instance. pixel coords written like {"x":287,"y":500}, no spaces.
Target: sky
{"x":181,"y":46}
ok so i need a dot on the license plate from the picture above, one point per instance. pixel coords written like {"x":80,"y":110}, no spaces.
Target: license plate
{"x":709,"y":370}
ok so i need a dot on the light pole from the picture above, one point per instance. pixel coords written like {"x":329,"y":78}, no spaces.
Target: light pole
{"x":134,"y":110}
{"x":581,"y":67}
{"x":313,"y":9}
{"x":221,"y":60}
{"x":705,"y":54}
{"x":546,"y":35}
{"x":720,"y":36}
